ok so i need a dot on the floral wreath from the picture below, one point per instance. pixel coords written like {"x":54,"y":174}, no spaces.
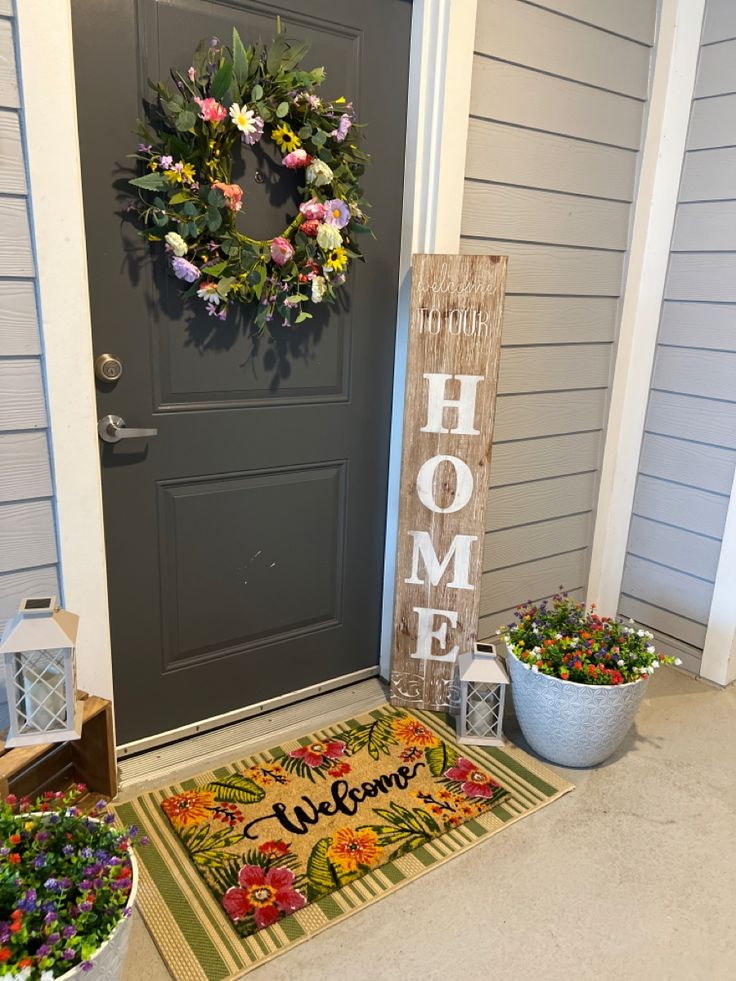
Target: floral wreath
{"x":186,"y":197}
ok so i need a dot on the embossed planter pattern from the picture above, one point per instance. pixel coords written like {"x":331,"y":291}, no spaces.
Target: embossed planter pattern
{"x":569,"y":723}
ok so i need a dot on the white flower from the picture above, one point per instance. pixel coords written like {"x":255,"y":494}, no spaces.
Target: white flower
{"x":678,"y":661}
{"x":243,"y":118}
{"x":576,"y":641}
{"x":535,"y":668}
{"x":650,"y":649}
{"x":318,"y":173}
{"x":328,"y":237}
{"x":176,"y":243}
{"x":558,"y":636}
{"x":526,"y":666}
{"x":507,"y":639}
{"x":319,"y":285}
{"x":650,"y":670}
{"x":640,"y":633}
{"x":655,"y":664}
{"x":620,"y":663}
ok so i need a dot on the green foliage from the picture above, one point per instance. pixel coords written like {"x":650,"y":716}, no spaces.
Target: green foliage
{"x":377,"y":737}
{"x":237,"y":789}
{"x":207,"y":844}
{"x":323,"y":876}
{"x":407,"y":829}
{"x":440,"y":758}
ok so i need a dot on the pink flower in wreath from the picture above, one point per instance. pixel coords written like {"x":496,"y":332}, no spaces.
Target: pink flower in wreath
{"x":281,"y":250}
{"x":267,"y":895}
{"x":313,"y":209}
{"x":316,"y":754}
{"x":297,"y":158}
{"x":211,"y":110}
{"x":475,"y":783}
{"x":233,"y":194}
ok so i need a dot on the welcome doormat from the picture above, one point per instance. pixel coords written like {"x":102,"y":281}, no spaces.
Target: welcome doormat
{"x":248,"y":860}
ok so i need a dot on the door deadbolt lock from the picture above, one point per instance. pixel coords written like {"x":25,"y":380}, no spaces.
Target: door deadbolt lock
{"x":108,"y":368}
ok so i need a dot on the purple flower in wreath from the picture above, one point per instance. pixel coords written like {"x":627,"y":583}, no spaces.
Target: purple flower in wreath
{"x":337,"y":213}
{"x":184,"y":269}
{"x":343,"y":127}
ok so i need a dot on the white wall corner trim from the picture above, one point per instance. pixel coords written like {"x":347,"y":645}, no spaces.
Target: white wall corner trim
{"x":719,"y":650}
{"x":440,"y":70}
{"x":664,"y":145}
{"x":47,"y":66}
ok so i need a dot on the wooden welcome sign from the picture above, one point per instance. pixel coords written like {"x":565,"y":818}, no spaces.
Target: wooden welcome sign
{"x":452,"y":374}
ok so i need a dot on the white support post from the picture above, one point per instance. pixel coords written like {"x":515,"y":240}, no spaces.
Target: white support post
{"x":440,"y":73}
{"x":719,"y":650}
{"x":664,"y":146}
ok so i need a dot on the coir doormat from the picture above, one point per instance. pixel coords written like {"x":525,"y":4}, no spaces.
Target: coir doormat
{"x":251,"y":859}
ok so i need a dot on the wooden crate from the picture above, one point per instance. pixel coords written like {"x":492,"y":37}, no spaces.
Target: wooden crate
{"x":30,"y":770}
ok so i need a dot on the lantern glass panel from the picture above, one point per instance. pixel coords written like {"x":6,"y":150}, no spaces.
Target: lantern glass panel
{"x":483,"y":713}
{"x":40,"y":690}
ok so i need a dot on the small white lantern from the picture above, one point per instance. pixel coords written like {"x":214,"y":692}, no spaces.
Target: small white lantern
{"x":37,"y":648}
{"x":483,"y":682}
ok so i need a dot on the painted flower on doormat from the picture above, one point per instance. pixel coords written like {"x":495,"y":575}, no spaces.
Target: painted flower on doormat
{"x":286,"y":830}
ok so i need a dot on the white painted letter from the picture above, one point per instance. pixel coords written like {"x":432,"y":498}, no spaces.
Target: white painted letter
{"x":426,"y":634}
{"x":459,"y":550}
{"x":465,"y":405}
{"x":425,"y":484}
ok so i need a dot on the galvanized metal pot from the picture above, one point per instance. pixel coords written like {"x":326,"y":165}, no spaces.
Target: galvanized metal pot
{"x":569,"y":723}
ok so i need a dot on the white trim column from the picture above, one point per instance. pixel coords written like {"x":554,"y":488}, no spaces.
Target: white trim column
{"x":719,"y":650}
{"x":440,"y":74}
{"x":673,"y":82}
{"x":52,"y":147}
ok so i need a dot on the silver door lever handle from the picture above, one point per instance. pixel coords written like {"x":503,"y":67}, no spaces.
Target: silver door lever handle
{"x":112,"y":429}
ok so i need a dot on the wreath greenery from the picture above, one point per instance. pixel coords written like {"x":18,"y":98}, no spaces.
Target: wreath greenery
{"x":186,"y":197}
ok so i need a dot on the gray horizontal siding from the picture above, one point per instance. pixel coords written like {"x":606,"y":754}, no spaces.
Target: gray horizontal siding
{"x":558,"y":98}
{"x":688,"y":453}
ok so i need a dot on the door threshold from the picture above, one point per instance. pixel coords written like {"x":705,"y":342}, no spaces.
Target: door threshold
{"x":204,"y":750}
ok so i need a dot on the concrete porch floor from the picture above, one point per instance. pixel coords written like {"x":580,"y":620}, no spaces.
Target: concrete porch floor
{"x":631,"y":876}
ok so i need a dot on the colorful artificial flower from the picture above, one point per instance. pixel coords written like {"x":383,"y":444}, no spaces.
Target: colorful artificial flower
{"x":354,"y":848}
{"x":285,"y":138}
{"x":318,"y":173}
{"x":281,"y":250}
{"x":176,"y":243}
{"x":328,"y":237}
{"x":343,"y":127}
{"x":337,"y":259}
{"x":233,"y":194}
{"x":317,"y":754}
{"x":337,"y":213}
{"x":189,"y":807}
{"x":166,"y":161}
{"x":319,"y":287}
{"x":266,"y":895}
{"x":312,"y":209}
{"x":310,"y":227}
{"x":475,"y":783}
{"x":297,"y":158}
{"x":184,"y":269}
{"x":211,"y":110}
{"x":412,"y":732}
{"x":191,"y":73}
{"x":247,"y":121}
{"x":208,"y":291}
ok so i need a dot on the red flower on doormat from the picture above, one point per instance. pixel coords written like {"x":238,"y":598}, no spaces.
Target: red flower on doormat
{"x":339,"y":769}
{"x":475,"y":783}
{"x":267,"y":895}
{"x":411,"y":732}
{"x":352,"y":849}
{"x":191,"y":807}
{"x":316,"y":754}
{"x":273,"y":848}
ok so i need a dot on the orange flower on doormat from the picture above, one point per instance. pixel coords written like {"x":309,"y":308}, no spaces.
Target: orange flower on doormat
{"x":191,"y":807}
{"x":411,"y":732}
{"x":352,"y":849}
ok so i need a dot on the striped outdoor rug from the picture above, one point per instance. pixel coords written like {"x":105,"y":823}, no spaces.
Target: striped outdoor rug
{"x":182,"y":902}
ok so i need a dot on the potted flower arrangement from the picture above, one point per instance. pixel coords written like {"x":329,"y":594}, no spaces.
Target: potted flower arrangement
{"x":577,"y":678}
{"x":67,"y":885}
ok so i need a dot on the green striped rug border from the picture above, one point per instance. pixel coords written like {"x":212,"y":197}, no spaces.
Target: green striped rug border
{"x":193,"y":934}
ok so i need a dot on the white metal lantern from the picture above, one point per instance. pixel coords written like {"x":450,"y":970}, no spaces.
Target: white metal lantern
{"x":37,"y":648}
{"x":483,"y":680}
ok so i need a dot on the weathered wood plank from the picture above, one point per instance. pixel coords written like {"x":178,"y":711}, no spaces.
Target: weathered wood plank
{"x":8,"y":78}
{"x":704,"y":325}
{"x":15,"y":585}
{"x":543,"y":216}
{"x":551,"y":456}
{"x":19,"y":333}
{"x":27,"y":535}
{"x":527,"y":35}
{"x":16,"y":253}
{"x":563,"y":319}
{"x":490,"y":622}
{"x":550,"y":368}
{"x":720,"y":21}
{"x":540,"y":500}
{"x":508,"y":93}
{"x":537,"y":541}
{"x":555,"y":269}
{"x":709,"y":175}
{"x":12,"y":167}
{"x":634,"y":19}
{"x":22,"y":403}
{"x":704,"y":276}
{"x":445,"y":469}
{"x":705,"y":226}
{"x":510,"y":155}
{"x":686,"y":507}
{"x":677,"y":592}
{"x":716,"y":70}
{"x":662,"y":621}
{"x":697,"y":464}
{"x":686,"y":551}
{"x":712,"y":123}
{"x":710,"y":374}
{"x":549,"y":413}
{"x":6,"y":7}
{"x":508,"y":587}
{"x":24,"y":466}
{"x":690,"y":417}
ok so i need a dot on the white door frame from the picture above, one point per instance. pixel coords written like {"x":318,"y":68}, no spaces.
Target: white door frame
{"x":437,"y":122}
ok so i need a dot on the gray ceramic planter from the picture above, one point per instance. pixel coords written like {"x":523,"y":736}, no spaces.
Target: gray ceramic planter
{"x":569,"y":723}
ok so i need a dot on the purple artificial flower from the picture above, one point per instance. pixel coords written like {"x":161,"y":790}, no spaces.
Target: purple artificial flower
{"x":337,"y":213}
{"x":85,"y":906}
{"x":256,"y":131}
{"x":68,"y":954}
{"x":67,"y":850}
{"x":343,"y":127}
{"x":39,"y":861}
{"x":66,"y":882}
{"x":54,"y":938}
{"x":86,"y":853}
{"x":51,"y":884}
{"x":85,"y":884}
{"x":69,"y":931}
{"x":100,"y":805}
{"x":144,"y":148}
{"x":86,"y":965}
{"x":166,"y":161}
{"x":145,"y":840}
{"x":4,"y":933}
{"x":43,"y":950}
{"x":184,"y":269}
{"x":42,"y":836}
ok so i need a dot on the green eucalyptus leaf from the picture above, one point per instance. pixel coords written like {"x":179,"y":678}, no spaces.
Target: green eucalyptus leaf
{"x":256,"y":93}
{"x":282,"y":109}
{"x":305,"y":132}
{"x":303,"y":315}
{"x":150,"y":182}
{"x":185,"y":120}
{"x":189,"y":209}
{"x":222,"y":79}
{"x":179,"y":198}
{"x":319,"y":138}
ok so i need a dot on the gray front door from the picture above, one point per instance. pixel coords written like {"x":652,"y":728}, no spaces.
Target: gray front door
{"x":245,"y":540}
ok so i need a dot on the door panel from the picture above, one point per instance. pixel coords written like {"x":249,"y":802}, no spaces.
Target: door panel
{"x":245,"y":540}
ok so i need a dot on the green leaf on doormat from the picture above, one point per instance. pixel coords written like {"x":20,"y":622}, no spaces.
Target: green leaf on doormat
{"x":322,"y":876}
{"x":440,"y":758}
{"x":377,"y":737}
{"x":237,"y":789}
